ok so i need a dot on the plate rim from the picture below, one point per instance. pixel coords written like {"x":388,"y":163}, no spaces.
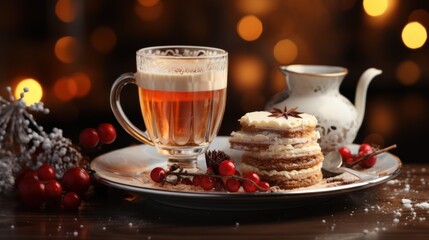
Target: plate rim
{"x":157,"y":192}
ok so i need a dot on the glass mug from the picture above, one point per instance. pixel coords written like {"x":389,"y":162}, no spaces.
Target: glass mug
{"x":182,"y":92}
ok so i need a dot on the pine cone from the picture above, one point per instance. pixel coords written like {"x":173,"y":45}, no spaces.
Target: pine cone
{"x":60,"y":153}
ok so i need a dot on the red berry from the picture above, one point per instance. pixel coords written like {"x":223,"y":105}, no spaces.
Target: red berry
{"x":186,"y":181}
{"x":53,"y":190}
{"x":345,"y":153}
{"x":196,"y":181}
{"x":249,"y":186}
{"x":232,"y":185}
{"x":365,"y":147}
{"x":30,"y":174}
{"x":76,"y":180}
{"x":46,"y":172}
{"x":71,"y":201}
{"x":264,"y":185}
{"x":226,"y":168}
{"x":32,"y":192}
{"x":107,"y":133}
{"x":253,"y":176}
{"x":158,"y":174}
{"x":89,"y":138}
{"x":20,"y":175}
{"x":364,"y":152}
{"x":349,"y":160}
{"x":369,"y":162}
{"x":207,"y":183}
{"x":209,"y":170}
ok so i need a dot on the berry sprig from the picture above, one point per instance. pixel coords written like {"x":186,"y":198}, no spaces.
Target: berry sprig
{"x":49,"y":187}
{"x":40,"y":188}
{"x":366,"y":157}
{"x":208,"y":181}
{"x":221,"y":175}
{"x":91,"y":137}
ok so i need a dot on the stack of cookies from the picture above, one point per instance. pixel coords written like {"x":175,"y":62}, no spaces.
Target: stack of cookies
{"x":281,"y":147}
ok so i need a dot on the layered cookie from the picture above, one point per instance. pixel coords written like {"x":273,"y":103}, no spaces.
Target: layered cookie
{"x":281,"y":148}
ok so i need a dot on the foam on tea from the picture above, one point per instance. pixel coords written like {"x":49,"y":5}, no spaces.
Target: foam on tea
{"x":182,"y":81}
{"x":182,"y":108}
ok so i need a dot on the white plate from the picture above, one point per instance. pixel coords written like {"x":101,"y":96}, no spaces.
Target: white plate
{"x":123,"y":168}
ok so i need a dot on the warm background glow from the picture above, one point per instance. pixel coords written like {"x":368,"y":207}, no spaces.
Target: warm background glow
{"x":285,"y":51}
{"x":257,"y":7}
{"x":278,"y":81}
{"x":78,"y":48}
{"x":408,"y":72}
{"x":248,"y":72}
{"x":67,"y":88}
{"x":66,"y":49}
{"x":35,"y":91}
{"x":83,"y":83}
{"x":249,"y":28}
{"x":148,"y":3}
{"x":103,"y":39}
{"x":65,"y":10}
{"x":419,"y":15}
{"x":149,"y":10}
{"x":375,"y":8}
{"x":414,"y":35}
{"x":381,"y":118}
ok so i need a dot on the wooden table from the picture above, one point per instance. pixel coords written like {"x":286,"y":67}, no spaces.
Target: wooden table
{"x":375,"y":213}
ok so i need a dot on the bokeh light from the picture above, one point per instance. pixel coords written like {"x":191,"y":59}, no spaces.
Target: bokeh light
{"x":103,"y":39}
{"x":408,"y":72}
{"x":148,"y":3}
{"x":375,"y":8}
{"x":414,"y":35}
{"x":285,"y":51}
{"x":35,"y":91}
{"x":66,"y":49}
{"x":65,"y":89}
{"x":381,"y":118}
{"x":249,"y":28}
{"x":149,"y":12}
{"x":77,"y":85}
{"x":83,"y":83}
{"x":65,"y":10}
{"x":248,"y":73}
{"x":258,"y":7}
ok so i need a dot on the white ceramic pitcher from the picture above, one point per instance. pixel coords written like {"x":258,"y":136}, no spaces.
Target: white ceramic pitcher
{"x":314,"y":89}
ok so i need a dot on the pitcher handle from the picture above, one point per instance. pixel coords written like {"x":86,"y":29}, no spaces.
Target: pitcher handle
{"x":115,"y":104}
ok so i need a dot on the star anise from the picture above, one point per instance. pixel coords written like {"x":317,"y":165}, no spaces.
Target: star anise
{"x":275,"y":112}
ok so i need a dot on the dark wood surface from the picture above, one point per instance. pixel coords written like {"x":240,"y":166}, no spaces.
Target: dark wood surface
{"x":113,"y":214}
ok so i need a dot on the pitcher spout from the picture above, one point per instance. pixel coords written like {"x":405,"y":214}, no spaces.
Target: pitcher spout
{"x":361,"y":91}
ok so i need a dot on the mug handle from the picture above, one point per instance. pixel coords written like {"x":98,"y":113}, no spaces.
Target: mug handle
{"x":115,"y":104}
